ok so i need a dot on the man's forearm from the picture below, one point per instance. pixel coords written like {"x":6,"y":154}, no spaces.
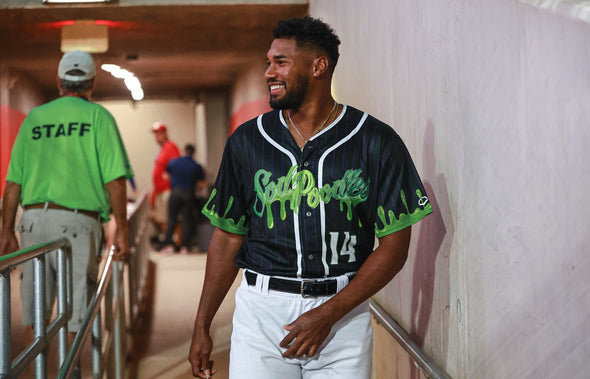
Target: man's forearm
{"x":118,"y":195}
{"x":10,"y":201}
{"x":220,"y":274}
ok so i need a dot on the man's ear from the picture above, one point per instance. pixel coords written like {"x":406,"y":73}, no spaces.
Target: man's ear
{"x":58,"y":82}
{"x":320,"y":66}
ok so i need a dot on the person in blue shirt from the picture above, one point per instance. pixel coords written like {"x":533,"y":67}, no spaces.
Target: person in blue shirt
{"x":186,"y":177}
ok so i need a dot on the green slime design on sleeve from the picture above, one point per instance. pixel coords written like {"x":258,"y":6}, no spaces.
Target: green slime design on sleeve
{"x":222,"y":221}
{"x":392,"y":224}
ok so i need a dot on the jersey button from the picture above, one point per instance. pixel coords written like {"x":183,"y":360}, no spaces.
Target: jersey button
{"x":306,"y":164}
{"x":310,"y":257}
{"x":308,"y":213}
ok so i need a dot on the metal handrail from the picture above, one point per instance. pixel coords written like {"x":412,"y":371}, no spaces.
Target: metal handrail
{"x":93,"y":310}
{"x":421,"y":359}
{"x":43,"y":333}
{"x":108,"y":347}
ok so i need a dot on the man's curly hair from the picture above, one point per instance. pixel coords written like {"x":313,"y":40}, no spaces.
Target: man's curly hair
{"x":310,"y":33}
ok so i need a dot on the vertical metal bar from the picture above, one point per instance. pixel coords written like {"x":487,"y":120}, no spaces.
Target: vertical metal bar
{"x":132,"y":283}
{"x":119,"y":319}
{"x":62,"y":310}
{"x":5,"y":322}
{"x":40,"y":319}
{"x":69,"y":275}
{"x":97,"y":368}
{"x":108,"y":324}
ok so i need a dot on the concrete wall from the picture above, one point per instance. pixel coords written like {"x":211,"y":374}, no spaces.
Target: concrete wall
{"x":216,"y":109}
{"x":135,"y":121}
{"x":18,"y":95}
{"x":493,"y":100}
{"x":249,"y":95}
{"x":206,"y":129}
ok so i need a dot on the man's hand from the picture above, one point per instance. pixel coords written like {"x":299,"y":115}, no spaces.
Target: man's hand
{"x":121,"y":244}
{"x":307,"y":333}
{"x":200,"y":351}
{"x":9,"y":243}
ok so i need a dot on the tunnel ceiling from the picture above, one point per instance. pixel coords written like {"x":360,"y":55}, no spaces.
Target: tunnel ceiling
{"x":176,"y":51}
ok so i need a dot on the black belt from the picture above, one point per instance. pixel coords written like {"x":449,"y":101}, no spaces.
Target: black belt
{"x":304,"y":287}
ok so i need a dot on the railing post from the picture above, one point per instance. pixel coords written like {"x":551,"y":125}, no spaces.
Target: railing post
{"x":62,"y":306}
{"x":97,"y":366}
{"x":5,"y":333}
{"x":109,"y":318}
{"x":40,"y":318}
{"x":118,"y":327}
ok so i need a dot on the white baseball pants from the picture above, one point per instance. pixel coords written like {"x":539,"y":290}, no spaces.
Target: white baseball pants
{"x":258,"y":323}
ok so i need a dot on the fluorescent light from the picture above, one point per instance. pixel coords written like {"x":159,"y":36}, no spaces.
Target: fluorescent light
{"x":110,"y":67}
{"x":131,"y":81}
{"x":137,"y":94}
{"x":122,"y":74}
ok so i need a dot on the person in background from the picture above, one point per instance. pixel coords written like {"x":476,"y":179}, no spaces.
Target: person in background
{"x":68,"y":170}
{"x":161,"y":184}
{"x":301,"y":195}
{"x":186,"y":177}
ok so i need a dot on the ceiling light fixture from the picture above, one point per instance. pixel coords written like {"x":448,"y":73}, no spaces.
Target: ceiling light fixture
{"x":131,"y":81}
{"x":85,"y":35}
{"x":74,"y":1}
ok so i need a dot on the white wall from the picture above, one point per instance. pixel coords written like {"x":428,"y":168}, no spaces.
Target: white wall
{"x":492,"y":98}
{"x":206,"y":128}
{"x":217,"y":127}
{"x":135,"y":122}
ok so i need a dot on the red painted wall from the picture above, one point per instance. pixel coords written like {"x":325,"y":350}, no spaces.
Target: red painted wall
{"x":248,"y":111}
{"x":10,"y":121}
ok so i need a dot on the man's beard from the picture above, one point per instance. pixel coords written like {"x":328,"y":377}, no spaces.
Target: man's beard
{"x":293,"y":98}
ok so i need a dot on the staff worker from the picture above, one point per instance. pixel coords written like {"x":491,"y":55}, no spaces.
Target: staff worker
{"x":68,"y":170}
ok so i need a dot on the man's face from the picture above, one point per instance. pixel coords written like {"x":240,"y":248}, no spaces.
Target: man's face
{"x":161,"y":137}
{"x":287,"y":74}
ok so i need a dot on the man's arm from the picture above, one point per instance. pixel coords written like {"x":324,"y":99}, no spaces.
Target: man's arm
{"x":307,"y":333}
{"x":10,"y":201}
{"x":118,"y":194}
{"x":220,"y":274}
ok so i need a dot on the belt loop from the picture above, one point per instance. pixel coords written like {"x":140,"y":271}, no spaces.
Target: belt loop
{"x":262,"y":283}
{"x":45,"y":206}
{"x":75,"y":211}
{"x":341,"y":282}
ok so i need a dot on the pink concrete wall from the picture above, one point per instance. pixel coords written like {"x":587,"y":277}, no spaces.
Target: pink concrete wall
{"x":248,"y":111}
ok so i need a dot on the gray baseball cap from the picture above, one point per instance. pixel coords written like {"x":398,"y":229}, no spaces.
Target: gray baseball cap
{"x":76,"y":60}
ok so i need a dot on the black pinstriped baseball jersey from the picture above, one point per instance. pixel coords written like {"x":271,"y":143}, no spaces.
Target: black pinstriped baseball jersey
{"x":314,"y":213}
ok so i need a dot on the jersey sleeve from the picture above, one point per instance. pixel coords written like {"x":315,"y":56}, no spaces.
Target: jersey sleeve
{"x":112,"y":155}
{"x":402,"y":200}
{"x":226,"y":208}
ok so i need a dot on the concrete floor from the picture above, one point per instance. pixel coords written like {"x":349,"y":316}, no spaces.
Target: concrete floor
{"x":162,"y":341}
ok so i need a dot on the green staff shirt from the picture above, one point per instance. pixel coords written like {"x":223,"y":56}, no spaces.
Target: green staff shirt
{"x":66,"y":152}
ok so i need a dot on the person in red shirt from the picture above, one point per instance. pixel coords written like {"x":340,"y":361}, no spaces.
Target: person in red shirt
{"x":161,"y":184}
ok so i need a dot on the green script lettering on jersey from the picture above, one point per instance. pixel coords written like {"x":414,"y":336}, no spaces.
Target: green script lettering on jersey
{"x":351,"y":190}
{"x":60,"y":130}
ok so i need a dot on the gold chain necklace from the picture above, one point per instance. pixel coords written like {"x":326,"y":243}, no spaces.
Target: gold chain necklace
{"x":317,"y":131}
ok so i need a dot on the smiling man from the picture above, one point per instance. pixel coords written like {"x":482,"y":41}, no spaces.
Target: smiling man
{"x":302,"y":193}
